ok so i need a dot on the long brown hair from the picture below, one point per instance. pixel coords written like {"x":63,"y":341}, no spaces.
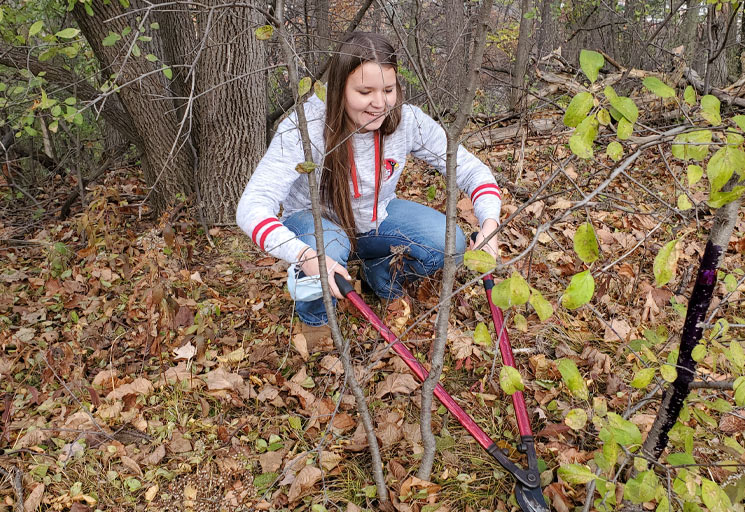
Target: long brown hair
{"x":356,"y":49}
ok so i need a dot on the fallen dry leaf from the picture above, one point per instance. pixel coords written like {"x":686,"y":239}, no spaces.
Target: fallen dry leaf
{"x":617,"y":327}
{"x":140,"y":386}
{"x":397,"y":383}
{"x":178,"y":443}
{"x":304,"y":482}
{"x":184,"y":352}
{"x":301,"y":345}
{"x":155,"y":456}
{"x":329,"y":460}
{"x":151,"y":493}
{"x":33,"y":500}
{"x":332,"y":364}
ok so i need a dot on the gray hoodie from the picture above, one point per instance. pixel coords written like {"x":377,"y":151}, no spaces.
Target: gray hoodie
{"x":275,"y":182}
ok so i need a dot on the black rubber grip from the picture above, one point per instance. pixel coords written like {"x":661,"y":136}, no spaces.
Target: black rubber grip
{"x":344,"y":286}
{"x":474,"y":235}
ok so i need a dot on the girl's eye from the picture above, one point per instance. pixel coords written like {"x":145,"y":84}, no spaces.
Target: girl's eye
{"x":364,"y":93}
{"x":389,"y":91}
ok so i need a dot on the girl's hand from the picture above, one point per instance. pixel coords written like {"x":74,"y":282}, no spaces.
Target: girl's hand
{"x":309,"y":265}
{"x":492,"y":246}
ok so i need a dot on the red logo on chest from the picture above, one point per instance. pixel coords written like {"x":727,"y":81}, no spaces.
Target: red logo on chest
{"x":390,"y":167}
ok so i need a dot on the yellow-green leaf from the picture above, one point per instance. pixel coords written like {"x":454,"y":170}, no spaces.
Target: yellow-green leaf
{"x":304,"y":86}
{"x":510,"y":380}
{"x":580,"y":290}
{"x":306,"y":167}
{"x":520,"y":322}
{"x":614,"y":150}
{"x":320,"y":90}
{"x":576,"y":419}
{"x":665,"y":263}
{"x":695,"y":172}
{"x":68,"y":33}
{"x":481,"y":334}
{"x":511,"y":292}
{"x":586,"y":244}
{"x":542,"y":307}
{"x":625,"y":129}
{"x":693,"y":145}
{"x":35,"y":28}
{"x":689,"y":95}
{"x":265,"y":32}
{"x":722,"y":165}
{"x":479,"y":261}
{"x":684,"y":203}
{"x":658,"y":87}
{"x":578,"y":109}
{"x":715,"y":499}
{"x":699,"y":352}
{"x":642,"y":378}
{"x":573,"y":379}
{"x":739,"y":121}
{"x":668,"y":372}
{"x":576,"y":474}
{"x":591,"y":62}
{"x":622,"y":104}
{"x":719,"y":199}
{"x":710,"y":107}
{"x":584,"y":135}
{"x":603,"y":117}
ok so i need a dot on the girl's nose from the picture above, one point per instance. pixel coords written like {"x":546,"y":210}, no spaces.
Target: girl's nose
{"x":379,"y":99}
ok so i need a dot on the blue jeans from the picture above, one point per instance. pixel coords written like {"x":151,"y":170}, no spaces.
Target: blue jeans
{"x":416,"y":230}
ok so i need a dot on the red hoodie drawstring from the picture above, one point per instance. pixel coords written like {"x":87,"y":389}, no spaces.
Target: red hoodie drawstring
{"x":353,"y":170}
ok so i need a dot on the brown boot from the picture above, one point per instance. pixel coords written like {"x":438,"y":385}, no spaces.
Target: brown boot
{"x":317,"y":338}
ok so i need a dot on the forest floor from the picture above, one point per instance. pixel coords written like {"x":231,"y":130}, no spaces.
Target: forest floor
{"x":147,"y":369}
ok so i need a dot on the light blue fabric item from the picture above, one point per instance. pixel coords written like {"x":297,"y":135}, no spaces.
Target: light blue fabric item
{"x":417,"y":229}
{"x":304,"y":289}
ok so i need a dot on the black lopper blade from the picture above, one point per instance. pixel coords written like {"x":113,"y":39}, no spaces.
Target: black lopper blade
{"x":530,"y":499}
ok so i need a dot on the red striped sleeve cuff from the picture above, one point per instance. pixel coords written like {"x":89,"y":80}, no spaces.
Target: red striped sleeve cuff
{"x":262,"y":230}
{"x":484,"y":190}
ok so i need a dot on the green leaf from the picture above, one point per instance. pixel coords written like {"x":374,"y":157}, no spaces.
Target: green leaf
{"x":583,"y":137}
{"x":693,"y":145}
{"x":739,"y":387}
{"x":730,"y":283}
{"x":510,"y":380}
{"x":576,"y":474}
{"x":168,"y":72}
{"x":303,"y":86}
{"x":542,"y":307}
{"x":668,"y":372}
{"x":111,"y":39}
{"x":35,"y":28}
{"x":511,"y":292}
{"x":710,"y":106}
{"x":625,"y":106}
{"x":658,"y":87}
{"x":715,"y":499}
{"x":642,"y":378}
{"x":573,"y":379}
{"x":68,"y":33}
{"x":264,"y":480}
{"x":734,"y":139}
{"x":614,"y":151}
{"x":591,"y":62}
{"x":689,"y":95}
{"x":695,"y":172}
{"x":586,"y":244}
{"x":578,"y":109}
{"x":624,"y":432}
{"x":680,"y":459}
{"x":736,"y":355}
{"x":684,"y":203}
{"x":295,"y":423}
{"x":264,"y":33}
{"x":665,"y":263}
{"x":136,"y":50}
{"x":719,"y":199}
{"x":133,"y":484}
{"x":151,"y":57}
{"x":625,"y":129}
{"x":481,"y":335}
{"x":576,"y":419}
{"x":642,"y":488}
{"x":580,"y":290}
{"x":479,"y":261}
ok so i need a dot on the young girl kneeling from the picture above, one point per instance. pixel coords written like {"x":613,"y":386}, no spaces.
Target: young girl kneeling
{"x":360,"y":140}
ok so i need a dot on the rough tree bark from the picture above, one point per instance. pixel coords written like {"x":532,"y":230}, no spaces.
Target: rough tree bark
{"x":232,"y":116}
{"x":675,"y":395}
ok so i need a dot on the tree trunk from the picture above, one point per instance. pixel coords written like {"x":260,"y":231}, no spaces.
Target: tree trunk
{"x":166,"y":163}
{"x":520,"y":67}
{"x":672,"y":403}
{"x":232,"y":115}
{"x":689,"y":37}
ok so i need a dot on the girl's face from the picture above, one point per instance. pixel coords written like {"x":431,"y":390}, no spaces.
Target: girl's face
{"x":369,"y":94}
